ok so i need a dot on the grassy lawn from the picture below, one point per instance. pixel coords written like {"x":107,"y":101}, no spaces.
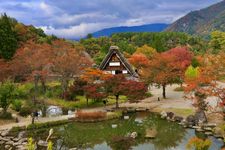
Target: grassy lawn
{"x":82,"y":103}
{"x":52,"y":96}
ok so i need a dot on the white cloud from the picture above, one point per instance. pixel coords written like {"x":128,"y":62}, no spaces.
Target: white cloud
{"x":76,"y":18}
{"x":74,"y":32}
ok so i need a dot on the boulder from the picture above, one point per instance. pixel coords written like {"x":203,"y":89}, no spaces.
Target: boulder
{"x":200,"y":130}
{"x":208,"y":129}
{"x":133,"y":135}
{"x":196,"y":127}
{"x":2,"y":142}
{"x":7,"y":146}
{"x":126,"y":117}
{"x":42,"y":143}
{"x":210,"y":125}
{"x":114,"y":125}
{"x":200,"y":117}
{"x":21,"y":134}
{"x":150,"y":133}
{"x":190,"y":120}
{"x":54,"y":111}
{"x":163,"y":114}
{"x":170,"y":115}
{"x":208,"y":133}
{"x":9,"y":143}
{"x":218,"y":131}
{"x":178,"y":118}
{"x":22,"y":140}
{"x":21,"y":147}
{"x":5,"y":132}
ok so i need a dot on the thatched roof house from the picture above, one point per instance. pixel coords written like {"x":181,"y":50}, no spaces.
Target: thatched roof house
{"x":116,"y":63}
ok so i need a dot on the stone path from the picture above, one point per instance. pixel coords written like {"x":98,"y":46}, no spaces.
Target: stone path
{"x":27,"y":121}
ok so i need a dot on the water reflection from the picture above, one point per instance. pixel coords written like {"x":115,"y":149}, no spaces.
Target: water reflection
{"x":101,"y":135}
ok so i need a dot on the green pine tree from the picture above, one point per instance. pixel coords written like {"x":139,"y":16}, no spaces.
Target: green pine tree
{"x":8,"y":38}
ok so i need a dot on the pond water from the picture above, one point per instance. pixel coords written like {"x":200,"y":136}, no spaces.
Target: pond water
{"x":101,"y":135}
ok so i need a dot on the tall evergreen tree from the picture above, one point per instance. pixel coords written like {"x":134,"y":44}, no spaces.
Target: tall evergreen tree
{"x":8,"y":38}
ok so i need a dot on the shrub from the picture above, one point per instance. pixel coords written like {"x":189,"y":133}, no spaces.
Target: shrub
{"x":30,"y":144}
{"x":179,"y":89}
{"x":46,"y":124}
{"x":198,"y":144}
{"x":6,"y":115}
{"x":148,"y":94}
{"x":91,"y":115}
{"x":23,"y":90}
{"x":50,"y":145}
{"x":25,"y":111}
{"x":16,"y":105}
{"x":53,"y":92}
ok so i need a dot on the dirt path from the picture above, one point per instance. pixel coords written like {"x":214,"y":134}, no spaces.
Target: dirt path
{"x":174,"y":100}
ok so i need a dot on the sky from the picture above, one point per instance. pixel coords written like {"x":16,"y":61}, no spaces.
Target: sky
{"x":76,"y":18}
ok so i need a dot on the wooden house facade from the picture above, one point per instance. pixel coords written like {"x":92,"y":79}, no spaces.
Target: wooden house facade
{"x":116,"y":63}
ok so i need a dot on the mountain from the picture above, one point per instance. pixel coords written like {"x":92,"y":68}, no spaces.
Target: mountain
{"x":143,"y":28}
{"x":203,"y":21}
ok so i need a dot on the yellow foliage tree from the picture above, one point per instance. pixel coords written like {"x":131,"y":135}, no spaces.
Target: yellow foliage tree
{"x":146,"y":50}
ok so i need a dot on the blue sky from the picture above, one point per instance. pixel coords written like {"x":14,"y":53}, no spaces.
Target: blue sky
{"x":76,"y":18}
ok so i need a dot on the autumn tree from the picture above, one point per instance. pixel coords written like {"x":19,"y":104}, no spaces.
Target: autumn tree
{"x":139,"y":61}
{"x":91,"y":75}
{"x":95,"y":92}
{"x":204,"y":80}
{"x":182,"y":58}
{"x":161,"y":70}
{"x":217,"y":42}
{"x":118,"y":85}
{"x":167,"y":68}
{"x":68,"y":62}
{"x":149,"y":52}
{"x":77,"y":88}
{"x":134,"y":90}
{"x":7,"y":94}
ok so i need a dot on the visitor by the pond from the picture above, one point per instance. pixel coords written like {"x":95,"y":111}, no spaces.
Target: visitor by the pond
{"x":35,"y":115}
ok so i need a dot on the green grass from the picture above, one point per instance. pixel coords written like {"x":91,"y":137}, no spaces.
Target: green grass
{"x":82,"y":103}
{"x":179,"y":89}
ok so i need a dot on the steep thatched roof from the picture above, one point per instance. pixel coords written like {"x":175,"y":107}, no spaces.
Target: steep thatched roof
{"x":115,"y":50}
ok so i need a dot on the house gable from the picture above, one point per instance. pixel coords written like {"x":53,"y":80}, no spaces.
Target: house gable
{"x":116,"y":63}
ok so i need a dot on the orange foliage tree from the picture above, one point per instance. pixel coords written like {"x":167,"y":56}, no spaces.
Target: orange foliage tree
{"x":167,"y":68}
{"x":139,"y":61}
{"x":207,"y":81}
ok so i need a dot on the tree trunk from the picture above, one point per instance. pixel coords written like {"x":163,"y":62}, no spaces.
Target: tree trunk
{"x":36,"y":79}
{"x":164,"y":91}
{"x":32,"y":122}
{"x":117,"y":99}
{"x":43,"y":85}
{"x":87,"y":101}
{"x":64,"y":85}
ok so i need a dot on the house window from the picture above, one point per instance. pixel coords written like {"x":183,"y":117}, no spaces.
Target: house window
{"x":125,"y":72}
{"x":118,"y":72}
{"x":113,"y":72}
{"x":114,"y":64}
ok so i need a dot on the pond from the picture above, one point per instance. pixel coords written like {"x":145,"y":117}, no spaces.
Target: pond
{"x":101,"y":135}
